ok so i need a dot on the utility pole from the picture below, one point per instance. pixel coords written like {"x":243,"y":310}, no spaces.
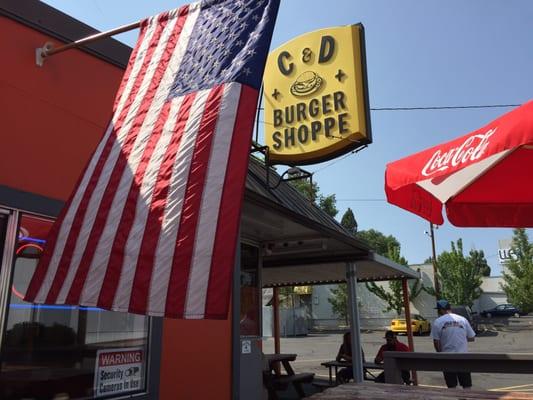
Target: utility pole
{"x":434,"y":258}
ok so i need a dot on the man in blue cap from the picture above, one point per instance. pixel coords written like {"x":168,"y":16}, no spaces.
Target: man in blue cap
{"x":451,"y":334}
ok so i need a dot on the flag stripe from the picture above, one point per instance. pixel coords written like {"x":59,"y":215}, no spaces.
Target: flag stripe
{"x":136,"y":61}
{"x":124,"y":271}
{"x":85,"y":213}
{"x":226,"y":238}
{"x":209,"y":208}
{"x":105,"y":214}
{"x":191,"y":206}
{"x":150,"y":235}
{"x":128,"y":216}
{"x":164,"y":252}
{"x":46,"y":271}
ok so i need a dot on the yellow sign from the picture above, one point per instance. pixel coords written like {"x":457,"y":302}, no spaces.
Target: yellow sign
{"x":303,"y":289}
{"x":316,"y":98}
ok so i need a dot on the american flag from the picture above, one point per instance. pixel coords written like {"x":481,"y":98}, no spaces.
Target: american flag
{"x":152,"y":226}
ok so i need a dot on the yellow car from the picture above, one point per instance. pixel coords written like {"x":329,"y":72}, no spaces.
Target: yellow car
{"x":419,"y":324}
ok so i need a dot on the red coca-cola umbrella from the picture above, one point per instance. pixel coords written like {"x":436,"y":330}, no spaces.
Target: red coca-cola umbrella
{"x":485,"y":178}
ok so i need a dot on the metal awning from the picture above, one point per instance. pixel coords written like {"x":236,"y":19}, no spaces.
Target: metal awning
{"x":373,"y":267}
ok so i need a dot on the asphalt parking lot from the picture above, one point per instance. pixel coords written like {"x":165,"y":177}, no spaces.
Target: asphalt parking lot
{"x":500,"y":336}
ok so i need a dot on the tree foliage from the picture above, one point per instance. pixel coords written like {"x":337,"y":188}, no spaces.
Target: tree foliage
{"x":387,"y":246}
{"x":393,"y":296}
{"x":339,"y":301}
{"x":304,"y":186}
{"x":348,"y":221}
{"x":460,"y":277}
{"x":478,"y":258}
{"x":518,"y":277}
{"x":328,"y":204}
{"x":378,"y":241}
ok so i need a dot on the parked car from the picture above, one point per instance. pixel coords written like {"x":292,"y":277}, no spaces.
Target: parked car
{"x":466,"y":312}
{"x":503,"y":310}
{"x":419,"y":325}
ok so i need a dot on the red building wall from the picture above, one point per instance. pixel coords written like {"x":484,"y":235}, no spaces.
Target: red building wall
{"x":52,"y":116}
{"x":196,"y":360}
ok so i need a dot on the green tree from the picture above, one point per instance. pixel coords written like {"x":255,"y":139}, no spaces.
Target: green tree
{"x":393,"y":296}
{"x":339,"y":301}
{"x":460,"y":277}
{"x":304,"y":186}
{"x":479,"y":260}
{"x":518,"y":278}
{"x":348,"y":221}
{"x":387,"y":246}
{"x":378,"y":241}
{"x":328,"y":204}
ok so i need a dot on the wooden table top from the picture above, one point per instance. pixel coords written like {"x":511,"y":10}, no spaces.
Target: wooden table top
{"x":335,"y":363}
{"x":376,"y":391}
{"x":280,"y":357}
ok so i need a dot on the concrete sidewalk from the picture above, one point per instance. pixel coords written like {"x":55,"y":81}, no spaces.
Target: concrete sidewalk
{"x":317,"y":348}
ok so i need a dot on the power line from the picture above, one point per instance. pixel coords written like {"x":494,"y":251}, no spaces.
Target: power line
{"x":361,"y":200}
{"x":443,"y":107}
{"x":474,"y":106}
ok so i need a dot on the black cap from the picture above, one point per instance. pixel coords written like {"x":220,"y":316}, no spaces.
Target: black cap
{"x":389,"y":334}
{"x":443,"y":305}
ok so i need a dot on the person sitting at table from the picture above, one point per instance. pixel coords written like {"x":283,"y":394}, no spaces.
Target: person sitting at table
{"x":345,"y":354}
{"x":392,"y":344}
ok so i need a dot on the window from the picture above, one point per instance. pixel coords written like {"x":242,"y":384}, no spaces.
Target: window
{"x":55,"y":351}
{"x":250,"y":291}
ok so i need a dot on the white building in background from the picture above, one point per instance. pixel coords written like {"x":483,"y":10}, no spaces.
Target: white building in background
{"x":313,"y":311}
{"x":505,"y":253}
{"x":492,"y":294}
{"x":372,"y":312}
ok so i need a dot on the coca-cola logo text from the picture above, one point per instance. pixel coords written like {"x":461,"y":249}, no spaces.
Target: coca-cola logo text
{"x":471,"y":149}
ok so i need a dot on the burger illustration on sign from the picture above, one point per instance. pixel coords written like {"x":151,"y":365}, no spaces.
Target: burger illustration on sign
{"x":307,"y":83}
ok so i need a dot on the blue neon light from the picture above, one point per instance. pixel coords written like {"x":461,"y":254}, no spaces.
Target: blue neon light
{"x":30,"y":239}
{"x":50,"y":307}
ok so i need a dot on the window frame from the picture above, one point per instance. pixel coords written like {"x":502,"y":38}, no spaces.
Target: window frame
{"x":155,"y":324}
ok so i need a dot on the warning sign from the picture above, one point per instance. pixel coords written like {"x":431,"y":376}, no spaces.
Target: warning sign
{"x":118,"y":371}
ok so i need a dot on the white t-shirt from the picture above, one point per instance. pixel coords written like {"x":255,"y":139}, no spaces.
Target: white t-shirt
{"x":452,"y":331}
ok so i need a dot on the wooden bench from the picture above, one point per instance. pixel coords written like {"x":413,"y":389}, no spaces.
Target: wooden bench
{"x":367,"y":391}
{"x":274,"y":380}
{"x":510,"y":363}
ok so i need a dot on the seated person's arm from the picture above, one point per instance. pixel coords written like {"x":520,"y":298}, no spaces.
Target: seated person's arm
{"x":436,"y":344}
{"x":379,"y":356}
{"x":340,"y":353}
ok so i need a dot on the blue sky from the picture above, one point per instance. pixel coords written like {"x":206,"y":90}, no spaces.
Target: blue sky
{"x":419,"y":53}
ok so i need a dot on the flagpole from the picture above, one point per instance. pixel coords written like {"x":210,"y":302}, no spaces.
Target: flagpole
{"x":49,"y":50}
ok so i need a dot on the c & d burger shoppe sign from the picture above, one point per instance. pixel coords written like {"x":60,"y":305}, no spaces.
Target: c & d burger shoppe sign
{"x":316,"y":97}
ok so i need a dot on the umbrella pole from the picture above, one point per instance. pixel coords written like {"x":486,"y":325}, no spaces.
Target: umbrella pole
{"x":434,"y":259}
{"x":407,"y":308}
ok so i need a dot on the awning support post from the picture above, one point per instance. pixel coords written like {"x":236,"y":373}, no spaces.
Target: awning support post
{"x":275,"y":304}
{"x":357,"y":359}
{"x":407,"y":308}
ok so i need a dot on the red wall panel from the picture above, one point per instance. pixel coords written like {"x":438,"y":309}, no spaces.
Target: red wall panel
{"x":52,"y":116}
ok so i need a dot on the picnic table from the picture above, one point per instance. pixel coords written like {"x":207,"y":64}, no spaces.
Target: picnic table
{"x":360,"y":391}
{"x":274,"y":379}
{"x":335,"y":365}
